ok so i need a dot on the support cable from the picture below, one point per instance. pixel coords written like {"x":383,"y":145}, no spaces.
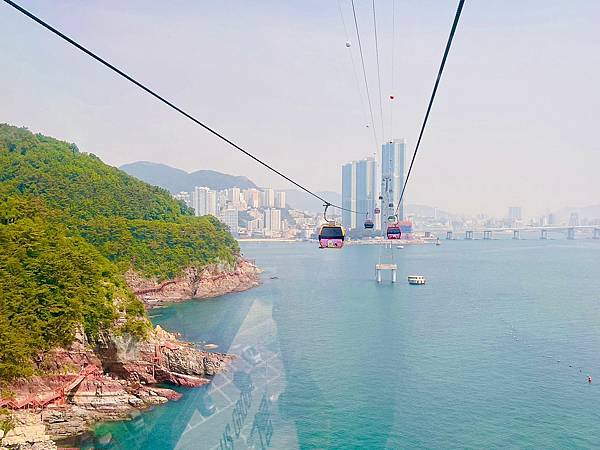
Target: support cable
{"x":168,"y":103}
{"x":362,"y":59}
{"x":435,"y":87}
{"x":378,"y":70}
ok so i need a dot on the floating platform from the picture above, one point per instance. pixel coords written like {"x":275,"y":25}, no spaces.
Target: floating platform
{"x":381,"y":267}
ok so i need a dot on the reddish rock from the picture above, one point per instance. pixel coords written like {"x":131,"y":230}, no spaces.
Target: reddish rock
{"x":211,"y":281}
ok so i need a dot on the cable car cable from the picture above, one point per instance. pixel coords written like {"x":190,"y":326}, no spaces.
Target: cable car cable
{"x":378,"y":71}
{"x":356,"y":80}
{"x":168,"y":103}
{"x":435,"y":87}
{"x":393,"y":51}
{"x":362,"y":59}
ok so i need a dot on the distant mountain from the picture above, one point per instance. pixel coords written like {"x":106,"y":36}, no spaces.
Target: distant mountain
{"x":426,"y":211}
{"x":177,"y":180}
{"x":305,"y":202}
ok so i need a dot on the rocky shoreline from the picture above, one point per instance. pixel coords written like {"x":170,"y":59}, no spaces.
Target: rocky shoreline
{"x":211,"y":281}
{"x":86,"y":384}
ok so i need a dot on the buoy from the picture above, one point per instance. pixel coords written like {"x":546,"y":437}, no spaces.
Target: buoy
{"x":391,"y":97}
{"x":589,"y":379}
{"x":348,"y":44}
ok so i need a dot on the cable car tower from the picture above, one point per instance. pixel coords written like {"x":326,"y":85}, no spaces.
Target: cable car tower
{"x":386,"y":200}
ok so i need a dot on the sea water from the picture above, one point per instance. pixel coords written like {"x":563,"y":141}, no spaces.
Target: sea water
{"x":493,"y":352}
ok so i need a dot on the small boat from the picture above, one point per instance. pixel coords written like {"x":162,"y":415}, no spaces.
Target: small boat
{"x":399,"y":247}
{"x":416,"y":279}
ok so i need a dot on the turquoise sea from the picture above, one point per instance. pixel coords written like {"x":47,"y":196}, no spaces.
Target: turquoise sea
{"x":493,"y":352}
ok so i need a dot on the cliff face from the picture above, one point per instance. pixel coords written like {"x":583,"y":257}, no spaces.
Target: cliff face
{"x":85,"y":385}
{"x":211,"y":281}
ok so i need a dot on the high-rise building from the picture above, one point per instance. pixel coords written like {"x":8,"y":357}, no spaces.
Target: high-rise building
{"x":348,"y":197}
{"x":272,"y":220}
{"x":230,"y":218}
{"x":280,"y":199}
{"x":204,"y":201}
{"x":253,"y":197}
{"x":233,"y":196}
{"x":359,"y":191}
{"x":268,"y":198}
{"x":366,"y":188}
{"x":392,"y":176}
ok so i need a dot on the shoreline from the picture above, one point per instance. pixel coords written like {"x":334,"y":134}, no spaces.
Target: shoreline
{"x":212,"y":281}
{"x":119,"y":375}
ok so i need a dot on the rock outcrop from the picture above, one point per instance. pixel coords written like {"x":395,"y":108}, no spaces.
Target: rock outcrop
{"x":28,"y":433}
{"x":160,"y":359}
{"x":115,"y":378}
{"x":211,"y":281}
{"x":85,"y":385}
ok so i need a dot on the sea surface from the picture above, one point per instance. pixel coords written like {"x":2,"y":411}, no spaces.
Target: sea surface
{"x":493,"y":352}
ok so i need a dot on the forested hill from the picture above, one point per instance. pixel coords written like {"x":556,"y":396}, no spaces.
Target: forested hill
{"x":177,"y":180}
{"x":70,"y":227}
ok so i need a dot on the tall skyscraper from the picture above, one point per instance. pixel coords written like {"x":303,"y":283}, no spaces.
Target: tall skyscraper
{"x":204,"y":201}
{"x":392,"y":176}
{"x":348,"y":190}
{"x":366,"y":188}
{"x":359,"y":191}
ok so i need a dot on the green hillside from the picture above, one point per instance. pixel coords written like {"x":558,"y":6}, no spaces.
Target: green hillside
{"x":70,"y":227}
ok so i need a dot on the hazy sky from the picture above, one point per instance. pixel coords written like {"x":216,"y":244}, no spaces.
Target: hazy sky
{"x":515,"y":120}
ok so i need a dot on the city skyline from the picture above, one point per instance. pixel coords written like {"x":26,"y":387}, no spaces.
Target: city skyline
{"x":477,"y":155}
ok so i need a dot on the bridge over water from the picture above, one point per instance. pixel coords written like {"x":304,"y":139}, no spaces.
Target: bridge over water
{"x":543,"y":230}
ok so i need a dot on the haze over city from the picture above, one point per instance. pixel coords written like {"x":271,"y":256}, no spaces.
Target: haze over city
{"x":513,"y":125}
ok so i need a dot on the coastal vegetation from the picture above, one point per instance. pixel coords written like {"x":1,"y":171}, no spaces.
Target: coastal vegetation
{"x":70,"y":227}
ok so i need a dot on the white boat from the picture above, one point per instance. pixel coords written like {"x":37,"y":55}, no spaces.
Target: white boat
{"x":399,"y":247}
{"x":416,"y":279}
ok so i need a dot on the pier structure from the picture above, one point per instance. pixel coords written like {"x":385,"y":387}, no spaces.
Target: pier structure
{"x":382,"y":267}
{"x":517,"y":234}
{"x":469,"y":234}
{"x":487,"y":234}
{"x":543,"y":234}
{"x":596,"y":233}
{"x":571,"y":233}
{"x":449,"y":235}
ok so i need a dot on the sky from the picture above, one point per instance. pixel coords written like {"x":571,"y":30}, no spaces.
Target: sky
{"x":514,"y":123}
